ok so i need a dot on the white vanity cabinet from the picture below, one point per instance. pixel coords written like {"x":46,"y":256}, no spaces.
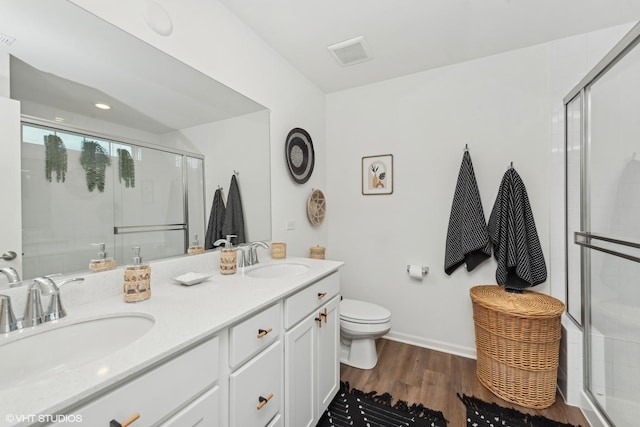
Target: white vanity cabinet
{"x":184,"y":387}
{"x":312,"y":363}
{"x":276,"y":365}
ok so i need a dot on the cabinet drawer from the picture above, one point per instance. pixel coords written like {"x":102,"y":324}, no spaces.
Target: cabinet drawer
{"x":204,"y":411}
{"x":299,"y":305}
{"x":251,"y":336}
{"x":260,"y":377}
{"x":159,"y":392}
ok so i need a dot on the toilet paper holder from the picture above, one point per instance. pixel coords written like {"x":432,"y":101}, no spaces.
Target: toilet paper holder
{"x":425,"y":270}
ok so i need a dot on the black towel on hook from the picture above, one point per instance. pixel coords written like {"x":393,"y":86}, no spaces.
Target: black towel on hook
{"x":467,"y":238}
{"x":234,"y":216}
{"x":216,"y":220}
{"x":513,"y":234}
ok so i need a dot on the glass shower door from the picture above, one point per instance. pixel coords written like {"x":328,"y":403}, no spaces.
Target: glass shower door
{"x":611,"y":240}
{"x":151,"y":213}
{"x":613,"y":333}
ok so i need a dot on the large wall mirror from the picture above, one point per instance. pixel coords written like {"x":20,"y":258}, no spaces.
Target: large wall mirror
{"x":186,"y":133}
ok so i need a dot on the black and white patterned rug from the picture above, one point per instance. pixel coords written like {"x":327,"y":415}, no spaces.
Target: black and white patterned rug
{"x":354,"y":408}
{"x":483,"y":414}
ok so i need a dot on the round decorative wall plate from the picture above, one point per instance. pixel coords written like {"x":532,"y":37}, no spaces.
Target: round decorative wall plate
{"x":316,"y":207}
{"x":298,"y":150}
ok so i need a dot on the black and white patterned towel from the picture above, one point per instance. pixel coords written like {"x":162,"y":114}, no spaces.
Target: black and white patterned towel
{"x":512,"y":231}
{"x":467,"y":237}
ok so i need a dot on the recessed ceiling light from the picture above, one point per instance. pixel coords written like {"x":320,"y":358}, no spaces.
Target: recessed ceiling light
{"x":103,"y":106}
{"x":59,"y":119}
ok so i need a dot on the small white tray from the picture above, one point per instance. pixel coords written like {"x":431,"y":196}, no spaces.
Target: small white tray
{"x":191,"y":278}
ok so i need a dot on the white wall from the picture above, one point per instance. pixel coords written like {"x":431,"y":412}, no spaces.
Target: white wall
{"x":239,"y":144}
{"x":210,"y":38}
{"x":507,"y":108}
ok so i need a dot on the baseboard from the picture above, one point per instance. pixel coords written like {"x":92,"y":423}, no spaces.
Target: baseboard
{"x":432,"y":344}
{"x":591,"y":413}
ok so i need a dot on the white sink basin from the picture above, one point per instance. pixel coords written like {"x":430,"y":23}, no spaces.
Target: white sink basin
{"x":274,"y":271}
{"x":39,"y":355}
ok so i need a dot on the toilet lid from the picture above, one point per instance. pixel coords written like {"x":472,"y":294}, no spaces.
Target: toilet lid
{"x":361,"y":311}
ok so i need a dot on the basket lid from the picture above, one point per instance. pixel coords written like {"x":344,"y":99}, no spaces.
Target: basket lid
{"x":527,"y":303}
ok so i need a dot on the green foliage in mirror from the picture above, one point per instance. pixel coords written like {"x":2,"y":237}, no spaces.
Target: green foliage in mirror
{"x":55,"y":157}
{"x":94,"y":159}
{"x":126,"y":168}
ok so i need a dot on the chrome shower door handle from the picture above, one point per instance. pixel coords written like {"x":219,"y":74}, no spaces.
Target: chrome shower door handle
{"x":9,"y":255}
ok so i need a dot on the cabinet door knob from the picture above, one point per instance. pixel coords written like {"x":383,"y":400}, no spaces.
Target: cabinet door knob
{"x":263,"y":400}
{"x":263,"y":332}
{"x":321,"y":295}
{"x":125,"y":423}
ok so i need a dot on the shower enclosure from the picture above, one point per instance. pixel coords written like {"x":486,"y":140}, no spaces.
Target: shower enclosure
{"x":603,"y":228}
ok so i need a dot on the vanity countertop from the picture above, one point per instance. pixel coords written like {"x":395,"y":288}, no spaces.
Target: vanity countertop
{"x":184,"y":316}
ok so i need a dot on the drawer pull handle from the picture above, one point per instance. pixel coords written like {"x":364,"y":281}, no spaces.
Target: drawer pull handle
{"x":319,"y":320}
{"x":321,"y":295}
{"x":263,"y":332}
{"x":325,"y":315}
{"x":263,"y":400}
{"x":125,"y":423}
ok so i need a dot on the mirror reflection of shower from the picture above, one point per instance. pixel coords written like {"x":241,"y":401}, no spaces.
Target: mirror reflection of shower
{"x":128,"y":195}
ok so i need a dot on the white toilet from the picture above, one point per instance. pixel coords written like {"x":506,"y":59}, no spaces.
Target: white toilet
{"x":361,"y":323}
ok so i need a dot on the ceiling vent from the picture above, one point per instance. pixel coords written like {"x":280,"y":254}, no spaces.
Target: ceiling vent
{"x":6,"y":40}
{"x":350,"y":52}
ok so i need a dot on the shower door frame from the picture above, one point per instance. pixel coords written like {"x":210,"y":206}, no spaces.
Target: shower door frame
{"x":584,"y":238}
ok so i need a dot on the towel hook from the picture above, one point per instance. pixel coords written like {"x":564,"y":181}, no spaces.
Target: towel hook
{"x":511,"y":165}
{"x":236,"y":173}
{"x":219,"y":188}
{"x":466,"y":148}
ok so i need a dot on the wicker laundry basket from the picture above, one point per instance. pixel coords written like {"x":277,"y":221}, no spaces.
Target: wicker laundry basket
{"x":518,"y":341}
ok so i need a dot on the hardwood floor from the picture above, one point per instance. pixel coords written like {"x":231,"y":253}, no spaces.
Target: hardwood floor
{"x":419,"y":375}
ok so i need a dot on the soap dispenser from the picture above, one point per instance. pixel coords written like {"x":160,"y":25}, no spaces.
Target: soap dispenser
{"x":196,"y":247}
{"x":228,"y":255}
{"x":103,"y":262}
{"x":137,"y":279}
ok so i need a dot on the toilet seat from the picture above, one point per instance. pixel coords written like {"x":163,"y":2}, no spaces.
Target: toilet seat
{"x":362,"y":312}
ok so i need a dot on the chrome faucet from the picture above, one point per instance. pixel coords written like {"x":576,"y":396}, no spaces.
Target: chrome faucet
{"x":8,"y":321}
{"x":243,"y":258}
{"x":11,"y":273}
{"x":33,"y":314}
{"x":253,"y":252}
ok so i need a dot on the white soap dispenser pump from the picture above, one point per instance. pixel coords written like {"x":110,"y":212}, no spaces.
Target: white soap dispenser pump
{"x":137,"y":279}
{"x":228,"y":255}
{"x":102,"y":262}
{"x":195,"y":248}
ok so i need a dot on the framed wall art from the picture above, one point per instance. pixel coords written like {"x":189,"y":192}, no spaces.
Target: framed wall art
{"x":377,"y":174}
